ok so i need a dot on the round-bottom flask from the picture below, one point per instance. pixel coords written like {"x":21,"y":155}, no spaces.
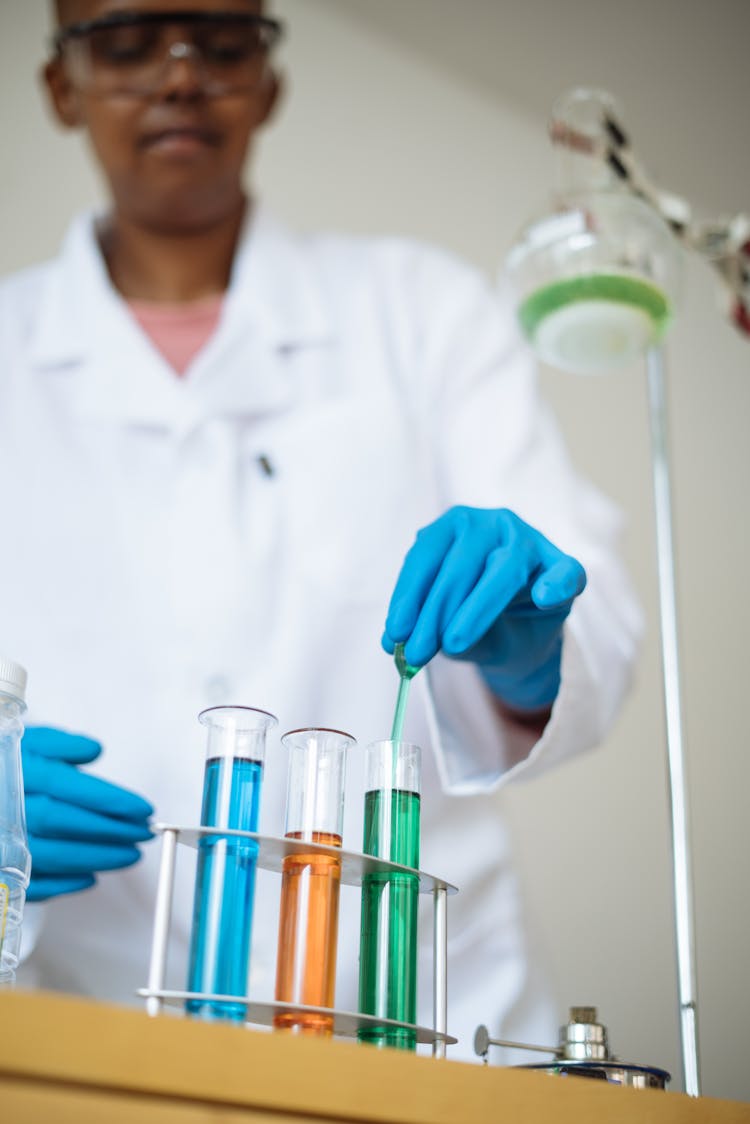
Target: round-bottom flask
{"x":598,"y":276}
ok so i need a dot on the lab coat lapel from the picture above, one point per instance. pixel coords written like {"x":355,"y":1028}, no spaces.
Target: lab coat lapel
{"x":86,"y":334}
{"x":273,"y":308}
{"x":86,"y":338}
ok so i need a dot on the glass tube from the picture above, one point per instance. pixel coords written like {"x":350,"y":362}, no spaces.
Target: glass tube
{"x":225,"y":877}
{"x":308,"y":920}
{"x":388,"y":942}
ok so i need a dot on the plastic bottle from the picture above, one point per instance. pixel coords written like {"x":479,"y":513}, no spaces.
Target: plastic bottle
{"x":15,"y":861}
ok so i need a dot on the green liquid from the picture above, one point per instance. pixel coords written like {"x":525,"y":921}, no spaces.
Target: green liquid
{"x":406,"y":673}
{"x":388,"y":942}
{"x":615,"y":288}
{"x":397,"y":730}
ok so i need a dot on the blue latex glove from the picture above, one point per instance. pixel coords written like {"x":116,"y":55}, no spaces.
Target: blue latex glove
{"x":484,"y":586}
{"x":78,"y":824}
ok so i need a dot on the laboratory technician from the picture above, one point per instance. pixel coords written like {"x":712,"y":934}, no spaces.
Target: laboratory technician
{"x":219,"y":441}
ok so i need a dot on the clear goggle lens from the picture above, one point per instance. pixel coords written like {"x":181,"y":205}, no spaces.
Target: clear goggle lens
{"x":133,"y":56}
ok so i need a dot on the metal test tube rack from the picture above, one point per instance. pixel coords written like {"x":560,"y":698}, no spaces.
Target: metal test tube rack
{"x":271,"y":854}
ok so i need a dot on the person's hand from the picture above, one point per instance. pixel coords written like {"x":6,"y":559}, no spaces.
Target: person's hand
{"x":78,"y":824}
{"x":484,"y":586}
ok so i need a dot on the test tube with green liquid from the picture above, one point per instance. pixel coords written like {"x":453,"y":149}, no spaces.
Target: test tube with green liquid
{"x":388,"y":939}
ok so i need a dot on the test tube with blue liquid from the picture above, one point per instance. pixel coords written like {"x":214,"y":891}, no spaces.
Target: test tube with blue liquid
{"x":225,"y":877}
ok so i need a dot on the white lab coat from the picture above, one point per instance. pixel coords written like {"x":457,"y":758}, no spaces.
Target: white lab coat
{"x":150,"y":568}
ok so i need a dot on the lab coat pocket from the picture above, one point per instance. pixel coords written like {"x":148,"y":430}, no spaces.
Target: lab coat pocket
{"x":352,"y":492}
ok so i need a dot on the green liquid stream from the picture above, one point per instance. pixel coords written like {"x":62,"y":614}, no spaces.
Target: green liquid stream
{"x":397,"y":729}
{"x":406,"y":673}
{"x":388,"y":941}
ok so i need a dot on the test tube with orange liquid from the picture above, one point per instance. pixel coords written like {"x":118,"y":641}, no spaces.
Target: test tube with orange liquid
{"x":308,"y":917}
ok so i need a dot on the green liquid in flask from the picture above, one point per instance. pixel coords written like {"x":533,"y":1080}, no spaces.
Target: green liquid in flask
{"x":596,"y":321}
{"x":388,"y":946}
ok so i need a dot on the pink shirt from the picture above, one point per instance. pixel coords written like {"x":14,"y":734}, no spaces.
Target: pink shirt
{"x":179,"y":331}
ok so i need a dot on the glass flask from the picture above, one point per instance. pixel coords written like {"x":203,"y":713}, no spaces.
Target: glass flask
{"x":388,"y":940}
{"x":225,"y":877}
{"x":598,"y":276}
{"x":308,"y":918}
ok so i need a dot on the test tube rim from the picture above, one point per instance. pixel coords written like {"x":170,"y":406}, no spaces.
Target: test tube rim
{"x":272,"y":720}
{"x":318,"y":730}
{"x":428,"y":883}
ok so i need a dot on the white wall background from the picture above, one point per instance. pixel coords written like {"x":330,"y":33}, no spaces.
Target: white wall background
{"x":385,"y":130}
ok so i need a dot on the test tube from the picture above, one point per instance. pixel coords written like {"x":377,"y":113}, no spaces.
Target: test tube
{"x":388,"y":941}
{"x":308,"y":918}
{"x":225,"y":877}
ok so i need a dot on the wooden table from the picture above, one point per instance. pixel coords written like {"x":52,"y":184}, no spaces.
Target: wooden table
{"x":65,"y":1060}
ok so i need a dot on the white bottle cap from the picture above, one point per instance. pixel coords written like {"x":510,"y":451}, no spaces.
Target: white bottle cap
{"x":12,"y":679}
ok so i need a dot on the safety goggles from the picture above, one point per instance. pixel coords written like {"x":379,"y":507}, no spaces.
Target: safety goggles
{"x":131,"y":52}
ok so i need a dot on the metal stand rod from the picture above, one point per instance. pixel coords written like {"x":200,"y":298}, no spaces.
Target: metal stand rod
{"x":440,"y":969}
{"x":683,"y":893}
{"x":162,"y":917}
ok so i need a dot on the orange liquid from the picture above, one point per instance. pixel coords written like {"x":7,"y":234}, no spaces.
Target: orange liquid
{"x":308,"y":929}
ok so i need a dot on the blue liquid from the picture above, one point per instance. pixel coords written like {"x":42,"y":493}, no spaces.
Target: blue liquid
{"x":225,"y":887}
